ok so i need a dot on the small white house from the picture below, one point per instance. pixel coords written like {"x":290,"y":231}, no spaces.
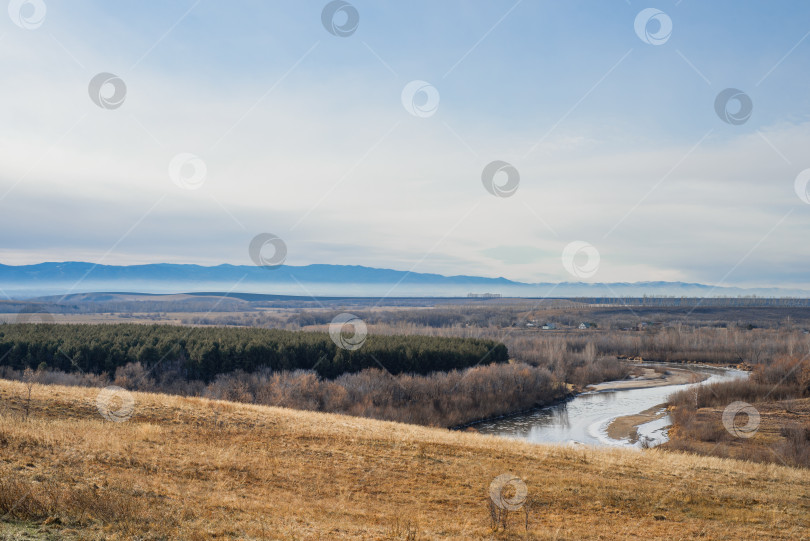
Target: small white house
{"x":549,"y":326}
{"x":583,"y":326}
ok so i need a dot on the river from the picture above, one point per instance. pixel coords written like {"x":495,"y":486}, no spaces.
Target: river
{"x":584,"y":419}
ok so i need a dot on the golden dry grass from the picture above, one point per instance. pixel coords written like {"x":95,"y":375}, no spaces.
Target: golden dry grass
{"x":187,"y":468}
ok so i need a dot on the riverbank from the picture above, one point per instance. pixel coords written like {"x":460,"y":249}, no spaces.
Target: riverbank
{"x":779,"y":434}
{"x":634,"y":405}
{"x":647,"y":378}
{"x":470,"y":426}
{"x":626,"y":427}
{"x":650,"y":377}
{"x":763,"y":419}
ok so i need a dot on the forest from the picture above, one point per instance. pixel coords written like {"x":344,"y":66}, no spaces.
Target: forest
{"x":202,"y":354}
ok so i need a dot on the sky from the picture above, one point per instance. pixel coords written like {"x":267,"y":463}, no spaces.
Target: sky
{"x":358,"y":133}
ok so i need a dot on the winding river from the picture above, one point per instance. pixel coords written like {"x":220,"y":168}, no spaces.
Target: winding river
{"x":584,"y":419}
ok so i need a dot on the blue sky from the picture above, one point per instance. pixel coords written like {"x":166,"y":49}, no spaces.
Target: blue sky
{"x":304,"y":134}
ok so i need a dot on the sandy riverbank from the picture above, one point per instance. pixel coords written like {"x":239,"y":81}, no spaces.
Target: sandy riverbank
{"x":650,"y":378}
{"x":644,"y":377}
{"x":626,"y":427}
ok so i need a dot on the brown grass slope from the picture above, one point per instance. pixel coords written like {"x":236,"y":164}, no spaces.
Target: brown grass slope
{"x":186,"y":468}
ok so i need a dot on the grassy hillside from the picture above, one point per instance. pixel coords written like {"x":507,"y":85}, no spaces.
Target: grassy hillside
{"x":186,"y":468}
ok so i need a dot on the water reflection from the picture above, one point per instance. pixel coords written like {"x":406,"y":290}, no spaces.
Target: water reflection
{"x":585,"y":418}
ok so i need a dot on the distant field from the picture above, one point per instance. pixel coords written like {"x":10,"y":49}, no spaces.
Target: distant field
{"x":186,"y":468}
{"x":280,"y":311}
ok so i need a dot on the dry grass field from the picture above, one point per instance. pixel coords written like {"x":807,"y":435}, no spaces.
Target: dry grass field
{"x":187,"y":468}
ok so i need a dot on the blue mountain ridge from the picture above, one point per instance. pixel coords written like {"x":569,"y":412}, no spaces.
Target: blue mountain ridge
{"x":356,"y":280}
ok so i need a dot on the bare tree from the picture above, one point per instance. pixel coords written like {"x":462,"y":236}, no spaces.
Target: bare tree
{"x":29,"y":378}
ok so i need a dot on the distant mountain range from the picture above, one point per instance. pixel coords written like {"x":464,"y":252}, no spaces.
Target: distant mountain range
{"x":324,"y":280}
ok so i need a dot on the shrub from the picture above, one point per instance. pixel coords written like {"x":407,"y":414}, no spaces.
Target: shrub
{"x":439,"y":399}
{"x":795,"y":448}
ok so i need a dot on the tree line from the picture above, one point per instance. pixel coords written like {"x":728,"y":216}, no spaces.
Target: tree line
{"x":203,"y":353}
{"x":663,"y":301}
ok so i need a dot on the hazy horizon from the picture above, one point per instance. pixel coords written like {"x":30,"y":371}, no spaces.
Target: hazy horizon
{"x":61,"y":279}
